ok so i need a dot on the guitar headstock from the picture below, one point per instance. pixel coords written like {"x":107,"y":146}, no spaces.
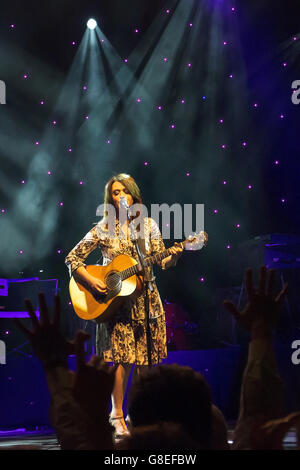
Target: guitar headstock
{"x":196,"y":241}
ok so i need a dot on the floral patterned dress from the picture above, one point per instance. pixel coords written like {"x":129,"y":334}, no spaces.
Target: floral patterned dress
{"x":123,"y":338}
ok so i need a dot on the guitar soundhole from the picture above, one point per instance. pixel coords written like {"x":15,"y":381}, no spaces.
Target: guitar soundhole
{"x":113,"y":282}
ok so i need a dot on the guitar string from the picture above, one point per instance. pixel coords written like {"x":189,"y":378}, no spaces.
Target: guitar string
{"x":148,"y":261}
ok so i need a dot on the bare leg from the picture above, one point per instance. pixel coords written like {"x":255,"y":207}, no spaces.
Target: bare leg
{"x":117,"y":398}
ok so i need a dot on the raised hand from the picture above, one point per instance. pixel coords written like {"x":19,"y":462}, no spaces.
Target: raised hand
{"x":270,"y":435}
{"x":263,"y":307}
{"x":46,"y":339}
{"x":90,"y":387}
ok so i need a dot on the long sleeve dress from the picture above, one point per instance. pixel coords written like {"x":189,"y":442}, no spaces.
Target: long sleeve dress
{"x":122,"y":339}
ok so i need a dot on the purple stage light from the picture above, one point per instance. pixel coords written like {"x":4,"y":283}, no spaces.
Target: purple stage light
{"x":14,"y":431}
{"x":19,"y":314}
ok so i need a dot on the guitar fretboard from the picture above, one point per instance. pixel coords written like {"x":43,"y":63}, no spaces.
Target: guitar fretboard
{"x":148,"y":262}
{"x":155,"y":258}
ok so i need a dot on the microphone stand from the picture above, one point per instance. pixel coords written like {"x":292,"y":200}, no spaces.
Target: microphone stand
{"x":147,"y":279}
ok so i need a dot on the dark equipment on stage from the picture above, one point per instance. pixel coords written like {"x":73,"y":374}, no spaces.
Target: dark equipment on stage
{"x":275,"y":251}
{"x":13,"y":293}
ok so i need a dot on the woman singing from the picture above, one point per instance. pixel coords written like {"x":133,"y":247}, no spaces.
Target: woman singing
{"x":122,"y":339}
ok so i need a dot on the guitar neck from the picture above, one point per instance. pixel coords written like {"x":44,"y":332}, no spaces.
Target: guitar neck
{"x":149,"y":261}
{"x":202,"y":236}
{"x":157,"y":257}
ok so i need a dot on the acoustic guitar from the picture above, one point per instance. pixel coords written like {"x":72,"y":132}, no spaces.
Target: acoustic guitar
{"x":123,"y":277}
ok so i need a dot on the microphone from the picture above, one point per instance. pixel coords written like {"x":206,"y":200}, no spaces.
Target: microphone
{"x":124,"y":203}
{"x":124,"y":208}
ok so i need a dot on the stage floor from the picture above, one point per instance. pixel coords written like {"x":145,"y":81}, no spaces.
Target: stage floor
{"x":30,"y":440}
{"x":46,"y":440}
